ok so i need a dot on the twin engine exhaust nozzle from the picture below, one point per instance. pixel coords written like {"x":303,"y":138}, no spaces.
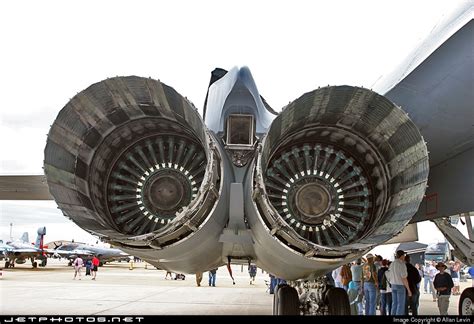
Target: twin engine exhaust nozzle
{"x":339,"y":170}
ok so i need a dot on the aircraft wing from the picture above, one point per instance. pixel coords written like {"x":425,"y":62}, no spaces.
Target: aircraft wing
{"x":12,"y":252}
{"x":73,"y":253}
{"x":24,"y":187}
{"x":435,"y":87}
{"x":26,"y":251}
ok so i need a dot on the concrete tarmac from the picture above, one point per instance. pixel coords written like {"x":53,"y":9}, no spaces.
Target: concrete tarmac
{"x":120,"y":291}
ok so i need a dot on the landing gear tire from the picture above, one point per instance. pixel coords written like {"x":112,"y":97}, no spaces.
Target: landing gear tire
{"x":35,"y":264}
{"x":275,"y":298}
{"x":43,"y":263}
{"x":466,"y":302}
{"x":338,"y":302}
{"x":7,"y":264}
{"x":287,"y":301}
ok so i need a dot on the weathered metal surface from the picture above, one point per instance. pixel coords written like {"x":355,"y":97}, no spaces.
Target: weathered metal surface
{"x":340,"y":170}
{"x":359,"y":149}
{"x":130,"y":160}
{"x":24,"y":188}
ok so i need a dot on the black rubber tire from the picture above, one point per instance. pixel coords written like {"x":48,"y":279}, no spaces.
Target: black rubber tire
{"x":7,"y":264}
{"x":44,"y":262}
{"x":34,"y":264}
{"x":467,"y":297}
{"x":275,"y":298}
{"x":288,"y":301}
{"x":338,"y":302}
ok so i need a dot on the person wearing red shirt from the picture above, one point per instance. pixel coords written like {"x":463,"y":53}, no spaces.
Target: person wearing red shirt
{"x":95,"y":266}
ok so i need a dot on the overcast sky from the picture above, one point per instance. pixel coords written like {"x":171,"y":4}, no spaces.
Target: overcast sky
{"x":53,"y":49}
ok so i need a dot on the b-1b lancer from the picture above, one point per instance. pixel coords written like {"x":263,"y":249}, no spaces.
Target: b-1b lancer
{"x":339,"y":171}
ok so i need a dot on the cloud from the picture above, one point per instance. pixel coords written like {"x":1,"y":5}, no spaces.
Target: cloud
{"x":28,"y":216}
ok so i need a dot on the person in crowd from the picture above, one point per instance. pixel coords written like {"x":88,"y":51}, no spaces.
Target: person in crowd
{"x":95,"y":266}
{"x":88,"y":266}
{"x":336,"y":276}
{"x":378,"y":264}
{"x":198,"y":278}
{"x":426,"y":279}
{"x":168,"y":273}
{"x":397,"y":276}
{"x":443,"y":283}
{"x":78,"y":263}
{"x":346,"y":276}
{"x":419,"y":267}
{"x":385,"y":290}
{"x":369,"y":284}
{"x":252,"y":272}
{"x":433,"y":273}
{"x":272,"y":283}
{"x":356,"y":271}
{"x":212,"y":277}
{"x":455,"y":270}
{"x":353,"y":294}
{"x":414,"y":279}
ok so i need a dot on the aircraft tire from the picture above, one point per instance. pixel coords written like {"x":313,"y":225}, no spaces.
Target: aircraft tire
{"x":43,"y":263}
{"x":288,"y":302}
{"x":34,"y":264}
{"x":275,"y":298}
{"x":338,"y":302}
{"x":466,"y":302}
{"x":7,"y":264}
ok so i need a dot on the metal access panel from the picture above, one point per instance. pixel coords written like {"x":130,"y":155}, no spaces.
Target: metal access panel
{"x":240,"y":130}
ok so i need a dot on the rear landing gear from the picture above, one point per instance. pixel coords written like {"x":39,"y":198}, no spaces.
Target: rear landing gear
{"x":338,"y":302}
{"x":311,"y":298}
{"x":286,"y":301}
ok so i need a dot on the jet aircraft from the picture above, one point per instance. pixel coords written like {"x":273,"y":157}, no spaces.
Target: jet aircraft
{"x":72,"y":250}
{"x":20,"y":250}
{"x":340,"y":170}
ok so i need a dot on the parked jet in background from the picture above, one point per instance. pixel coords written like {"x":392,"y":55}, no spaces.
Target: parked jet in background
{"x":72,"y":250}
{"x":20,"y":250}
{"x":4,"y":249}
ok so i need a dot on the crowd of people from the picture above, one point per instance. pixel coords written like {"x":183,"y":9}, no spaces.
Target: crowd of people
{"x":371,"y":282}
{"x":91,"y":265}
{"x":394,"y":287}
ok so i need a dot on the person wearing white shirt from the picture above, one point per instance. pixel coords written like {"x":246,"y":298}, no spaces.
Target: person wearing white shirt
{"x":397,"y":275}
{"x":336,"y":275}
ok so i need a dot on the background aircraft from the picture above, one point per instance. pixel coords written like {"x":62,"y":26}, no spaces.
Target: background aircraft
{"x":4,"y":249}
{"x":20,"y":250}
{"x":339,"y":171}
{"x":71,"y":250}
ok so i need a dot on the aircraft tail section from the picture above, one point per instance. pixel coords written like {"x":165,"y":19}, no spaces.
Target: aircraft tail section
{"x":39,"y":238}
{"x":25,"y":238}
